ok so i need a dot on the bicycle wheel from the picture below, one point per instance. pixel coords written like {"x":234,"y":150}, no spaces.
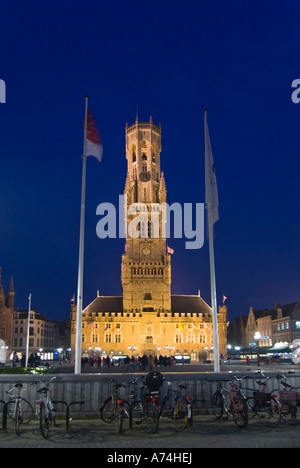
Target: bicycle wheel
{"x":180,"y":414}
{"x":239,"y":411}
{"x":2,"y":403}
{"x":289,"y":414}
{"x":137,"y":415}
{"x":18,"y":417}
{"x":107,"y":410}
{"x":45,"y":420}
{"x":251,"y":407}
{"x":27,"y":411}
{"x":151,"y":409}
{"x":119,"y":418}
{"x":218,"y":404}
{"x":270,"y":413}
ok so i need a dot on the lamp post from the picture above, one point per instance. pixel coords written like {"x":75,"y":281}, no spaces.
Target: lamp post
{"x":257,"y":337}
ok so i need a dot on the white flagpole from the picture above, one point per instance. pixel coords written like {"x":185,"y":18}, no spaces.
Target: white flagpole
{"x":211,"y":211}
{"x":213,"y":292}
{"x":81,"y":252}
{"x":28,"y":329}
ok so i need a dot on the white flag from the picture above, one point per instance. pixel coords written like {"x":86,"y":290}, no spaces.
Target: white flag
{"x":211,"y":189}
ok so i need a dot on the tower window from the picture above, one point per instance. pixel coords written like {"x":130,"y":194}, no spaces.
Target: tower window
{"x":144,"y":157}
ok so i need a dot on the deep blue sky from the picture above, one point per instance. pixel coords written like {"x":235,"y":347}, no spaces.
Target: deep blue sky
{"x":172,"y":59}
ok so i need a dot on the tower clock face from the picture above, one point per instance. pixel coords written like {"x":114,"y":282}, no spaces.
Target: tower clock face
{"x":145,"y":176}
{"x":146,"y":250}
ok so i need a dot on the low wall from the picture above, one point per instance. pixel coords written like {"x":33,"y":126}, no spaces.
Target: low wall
{"x":94,"y":388}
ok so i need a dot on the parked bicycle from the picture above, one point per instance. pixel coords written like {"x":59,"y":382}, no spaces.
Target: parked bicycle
{"x":18,"y":408}
{"x":289,"y":398}
{"x":266,"y":404}
{"x":45,"y":406}
{"x":151,"y":400}
{"x":228,"y":402}
{"x":137,"y":413}
{"x":176,"y":406}
{"x":115,"y":408}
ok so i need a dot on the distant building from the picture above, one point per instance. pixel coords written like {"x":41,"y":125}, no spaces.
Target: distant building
{"x":266,"y":328}
{"x":236,"y":336}
{"x":41,"y":334}
{"x":6,"y":315}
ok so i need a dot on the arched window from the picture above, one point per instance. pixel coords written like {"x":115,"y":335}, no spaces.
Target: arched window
{"x":118,"y":337}
{"x":107,"y":337}
{"x":178,"y":337}
{"x":202,"y":337}
{"x":190,"y":337}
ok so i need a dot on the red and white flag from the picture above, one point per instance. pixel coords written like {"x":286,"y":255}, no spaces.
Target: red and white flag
{"x":93,"y":139}
{"x":169,"y":250}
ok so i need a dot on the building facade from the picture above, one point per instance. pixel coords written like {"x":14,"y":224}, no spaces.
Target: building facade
{"x":6,"y":316}
{"x":41,"y":334}
{"x":268,"y":327}
{"x":147,"y":318}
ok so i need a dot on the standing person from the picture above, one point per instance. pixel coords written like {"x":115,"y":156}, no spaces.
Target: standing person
{"x":151,"y":362}
{"x":15,"y":359}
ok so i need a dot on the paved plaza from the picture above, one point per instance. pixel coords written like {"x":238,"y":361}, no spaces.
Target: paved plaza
{"x":206,"y":432}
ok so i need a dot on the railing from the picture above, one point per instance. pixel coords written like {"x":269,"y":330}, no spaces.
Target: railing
{"x":93,"y":389}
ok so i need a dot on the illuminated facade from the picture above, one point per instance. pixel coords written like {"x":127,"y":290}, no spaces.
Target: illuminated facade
{"x":147,"y":318}
{"x":6,"y":316}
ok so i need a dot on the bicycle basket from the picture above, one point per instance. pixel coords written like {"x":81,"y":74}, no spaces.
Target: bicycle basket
{"x":262,"y":399}
{"x":288,"y":398}
{"x":154,"y":381}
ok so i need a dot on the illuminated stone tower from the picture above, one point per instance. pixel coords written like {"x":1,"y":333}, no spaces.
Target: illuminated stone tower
{"x":146,"y":267}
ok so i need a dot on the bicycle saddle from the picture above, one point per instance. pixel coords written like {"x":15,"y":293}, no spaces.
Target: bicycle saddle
{"x":119,"y":385}
{"x":42,"y":390}
{"x":18,"y":385}
{"x":286,"y":385}
{"x":259,"y":382}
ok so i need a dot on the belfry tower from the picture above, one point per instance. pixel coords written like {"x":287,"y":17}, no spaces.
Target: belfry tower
{"x":146,"y":267}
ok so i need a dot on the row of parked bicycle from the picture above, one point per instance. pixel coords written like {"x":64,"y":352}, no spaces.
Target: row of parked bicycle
{"x":232,"y":402}
{"x":145,"y":404}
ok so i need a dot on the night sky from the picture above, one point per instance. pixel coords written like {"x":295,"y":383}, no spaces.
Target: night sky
{"x":172,"y":59}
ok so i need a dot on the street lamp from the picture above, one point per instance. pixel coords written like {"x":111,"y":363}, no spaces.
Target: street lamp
{"x":257,"y":337}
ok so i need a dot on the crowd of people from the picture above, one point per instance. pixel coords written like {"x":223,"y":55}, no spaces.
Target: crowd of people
{"x":33,"y":360}
{"x":140,"y":362}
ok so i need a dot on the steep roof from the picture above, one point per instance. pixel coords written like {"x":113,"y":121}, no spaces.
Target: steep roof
{"x":179,"y":304}
{"x":189,"y":304}
{"x":105,"y":304}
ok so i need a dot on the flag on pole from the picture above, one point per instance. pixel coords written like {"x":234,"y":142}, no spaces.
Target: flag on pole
{"x":94,"y":145}
{"x":169,"y":250}
{"x":211,"y":189}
